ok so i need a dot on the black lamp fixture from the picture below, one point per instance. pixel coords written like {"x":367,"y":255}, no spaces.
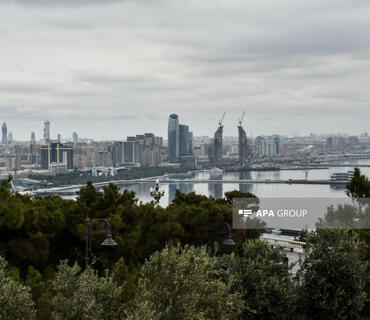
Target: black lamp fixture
{"x":228,"y":241}
{"x":108,"y":242}
{"x":222,"y":236}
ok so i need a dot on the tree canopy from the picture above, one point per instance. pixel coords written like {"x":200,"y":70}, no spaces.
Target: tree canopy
{"x":166,"y":265}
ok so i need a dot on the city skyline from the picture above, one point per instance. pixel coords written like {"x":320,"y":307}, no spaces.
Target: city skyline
{"x":38,"y":134}
{"x":184,"y":159}
{"x":98,"y":69}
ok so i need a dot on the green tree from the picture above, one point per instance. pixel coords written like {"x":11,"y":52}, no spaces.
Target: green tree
{"x":126,"y":276}
{"x":343,"y":216}
{"x":15,"y":299}
{"x":184,"y":283}
{"x":332,"y":276}
{"x":359,"y":186}
{"x":40,"y":293}
{"x":262,"y":276}
{"x":11,"y":209}
{"x":230,"y":195}
{"x":84,"y":295}
{"x":357,"y":190}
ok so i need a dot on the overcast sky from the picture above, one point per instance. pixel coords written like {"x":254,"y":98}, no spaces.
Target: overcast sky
{"x":109,"y":69}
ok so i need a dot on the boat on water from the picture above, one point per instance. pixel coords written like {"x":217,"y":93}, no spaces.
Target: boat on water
{"x":342,"y":176}
{"x":215,"y":172}
{"x":184,"y":175}
{"x":276,"y":231}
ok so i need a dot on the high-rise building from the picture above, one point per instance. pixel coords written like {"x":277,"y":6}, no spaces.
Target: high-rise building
{"x":329,"y":142}
{"x":13,"y":161}
{"x":47,"y":131}
{"x":104,"y":157}
{"x":33,"y":157}
{"x":33,"y":143}
{"x":353,"y":140}
{"x":143,"y":149}
{"x":132,"y":151}
{"x":56,"y":153}
{"x":59,"y":137}
{"x":10,"y":137}
{"x":217,"y":146}
{"x":341,"y":142}
{"x":159,"y":141}
{"x":173,"y":139}
{"x":139,"y":137}
{"x":265,"y":147}
{"x":149,"y":139}
{"x":209,"y":150}
{"x":243,"y":146}
{"x":183,"y":140}
{"x":191,"y":145}
{"x":75,"y":137}
{"x":151,"y":157}
{"x":277,"y":144}
{"x":117,"y":152}
{"x":4,"y":139}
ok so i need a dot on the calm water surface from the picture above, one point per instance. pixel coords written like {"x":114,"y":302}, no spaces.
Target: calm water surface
{"x":217,"y":190}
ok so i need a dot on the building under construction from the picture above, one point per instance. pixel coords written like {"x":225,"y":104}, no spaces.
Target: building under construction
{"x":217,"y":144}
{"x":243,"y":144}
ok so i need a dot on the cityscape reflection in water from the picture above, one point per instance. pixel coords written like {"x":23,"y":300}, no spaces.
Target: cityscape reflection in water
{"x":218,"y":189}
{"x":245,"y":187}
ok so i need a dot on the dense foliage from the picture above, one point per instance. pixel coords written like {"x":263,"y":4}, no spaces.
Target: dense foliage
{"x":333,"y":275}
{"x":15,"y":298}
{"x":261,"y":275}
{"x":85,"y":295}
{"x":37,"y":233}
{"x":358,"y":189}
{"x":166,"y":264}
{"x":185,"y":283}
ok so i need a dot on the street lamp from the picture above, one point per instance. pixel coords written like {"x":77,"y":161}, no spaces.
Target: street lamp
{"x":229,"y":242}
{"x":109,"y":241}
{"x":156,"y":192}
{"x":223,"y":231}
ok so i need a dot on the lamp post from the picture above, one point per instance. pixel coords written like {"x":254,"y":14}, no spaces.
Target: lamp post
{"x":156,"y":192}
{"x":228,"y":241}
{"x":224,"y":231}
{"x":109,"y":241}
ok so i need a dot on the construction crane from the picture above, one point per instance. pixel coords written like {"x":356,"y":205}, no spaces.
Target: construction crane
{"x":241,"y":119}
{"x":220,"y":121}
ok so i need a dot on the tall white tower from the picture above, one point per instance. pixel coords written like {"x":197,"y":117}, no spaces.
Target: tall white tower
{"x":47,"y":131}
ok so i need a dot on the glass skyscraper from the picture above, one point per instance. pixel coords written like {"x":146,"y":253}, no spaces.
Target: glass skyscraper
{"x":277,"y":144}
{"x":184,"y":139}
{"x":173,"y":138}
{"x":75,"y":137}
{"x":4,"y":139}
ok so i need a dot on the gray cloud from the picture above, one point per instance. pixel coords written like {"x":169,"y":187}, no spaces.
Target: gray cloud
{"x":67,"y":3}
{"x":22,"y":88}
{"x":115,"y":68}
